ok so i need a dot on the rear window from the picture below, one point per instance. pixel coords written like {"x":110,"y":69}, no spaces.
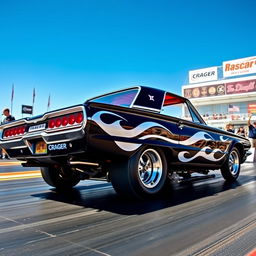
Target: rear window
{"x":122,"y":99}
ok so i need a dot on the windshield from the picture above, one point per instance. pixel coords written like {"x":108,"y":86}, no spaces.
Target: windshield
{"x":123,"y":98}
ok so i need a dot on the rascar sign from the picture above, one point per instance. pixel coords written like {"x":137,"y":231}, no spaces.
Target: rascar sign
{"x":203,"y":75}
{"x":239,"y":67}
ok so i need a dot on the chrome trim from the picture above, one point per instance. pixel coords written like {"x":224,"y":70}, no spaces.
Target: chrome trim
{"x":163,"y":102}
{"x":233,"y":163}
{"x":61,"y":128}
{"x":45,"y":116}
{"x":146,"y":108}
{"x":19,"y":147}
{"x":150,"y":168}
{"x":135,"y":98}
{"x":83,"y":163}
{"x":47,"y":132}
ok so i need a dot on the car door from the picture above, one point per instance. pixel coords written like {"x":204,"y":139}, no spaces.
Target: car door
{"x":199,"y":145}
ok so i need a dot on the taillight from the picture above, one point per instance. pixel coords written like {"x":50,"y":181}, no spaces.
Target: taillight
{"x":58,"y":122}
{"x":71,"y":119}
{"x":51,"y":124}
{"x":66,"y":121}
{"x":15,"y":131}
{"x":79,"y":118}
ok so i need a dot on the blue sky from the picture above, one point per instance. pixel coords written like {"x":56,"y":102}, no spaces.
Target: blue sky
{"x":75,"y":50}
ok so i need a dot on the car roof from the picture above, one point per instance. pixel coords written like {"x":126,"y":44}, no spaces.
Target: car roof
{"x":149,"y":98}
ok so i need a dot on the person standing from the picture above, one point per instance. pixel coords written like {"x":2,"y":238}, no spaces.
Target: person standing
{"x":252,"y":135}
{"x":230,"y":128}
{"x":241,"y":131}
{"x":8,"y":118}
{"x":252,"y":130}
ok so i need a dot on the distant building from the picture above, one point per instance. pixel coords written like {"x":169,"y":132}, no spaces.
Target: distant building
{"x":221,"y":99}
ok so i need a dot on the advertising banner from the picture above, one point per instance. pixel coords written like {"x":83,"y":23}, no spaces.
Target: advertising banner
{"x":252,"y":108}
{"x":241,"y":87}
{"x":203,"y":75}
{"x":239,"y":67}
{"x":205,"y":91}
{"x":237,"y":87}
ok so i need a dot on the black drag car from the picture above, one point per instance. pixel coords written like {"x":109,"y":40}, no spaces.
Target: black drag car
{"x":136,"y":138}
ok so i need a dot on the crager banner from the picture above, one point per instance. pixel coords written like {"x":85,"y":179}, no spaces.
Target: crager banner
{"x":203,"y":75}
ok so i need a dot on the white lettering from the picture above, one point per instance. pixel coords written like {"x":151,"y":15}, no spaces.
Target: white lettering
{"x":60,"y":146}
{"x":37,"y":127}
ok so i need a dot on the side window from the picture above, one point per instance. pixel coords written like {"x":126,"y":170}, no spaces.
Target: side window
{"x":177,"y":107}
{"x":194,"y":117}
{"x":179,"y":110}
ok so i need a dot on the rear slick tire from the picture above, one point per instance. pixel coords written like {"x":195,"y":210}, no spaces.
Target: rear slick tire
{"x":231,"y":168}
{"x":143,"y":175}
{"x":59,"y":178}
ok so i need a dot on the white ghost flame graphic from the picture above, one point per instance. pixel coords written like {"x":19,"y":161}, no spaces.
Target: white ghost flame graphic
{"x":202,"y":153}
{"x":115,"y":129}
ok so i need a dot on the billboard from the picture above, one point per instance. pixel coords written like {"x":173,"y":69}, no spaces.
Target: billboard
{"x":203,"y":75}
{"x":238,"y":87}
{"x":239,"y":67}
{"x":252,"y":108}
{"x":241,"y":87}
{"x":205,"y":91}
{"x":26,"y":109}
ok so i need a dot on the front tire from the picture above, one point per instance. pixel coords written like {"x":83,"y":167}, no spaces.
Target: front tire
{"x":60,"y":178}
{"x":231,"y":168}
{"x":142,"y":175}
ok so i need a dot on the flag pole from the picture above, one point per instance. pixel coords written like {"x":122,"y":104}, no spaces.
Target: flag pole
{"x":33,"y":100}
{"x":49,"y":102}
{"x":12,"y":96}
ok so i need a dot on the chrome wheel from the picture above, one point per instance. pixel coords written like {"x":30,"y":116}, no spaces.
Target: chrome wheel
{"x":234,"y":162}
{"x":231,"y":168}
{"x":150,"y":168}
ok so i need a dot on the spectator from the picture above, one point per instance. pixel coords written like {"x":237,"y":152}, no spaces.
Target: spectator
{"x":8,"y":118}
{"x":252,"y":135}
{"x":241,"y":131}
{"x":252,"y":131}
{"x":230,"y":128}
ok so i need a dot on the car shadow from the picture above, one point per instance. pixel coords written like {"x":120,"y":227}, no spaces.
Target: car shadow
{"x":102,"y":197}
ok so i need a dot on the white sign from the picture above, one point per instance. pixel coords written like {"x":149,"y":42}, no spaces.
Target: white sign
{"x":239,"y":67}
{"x":203,"y":75}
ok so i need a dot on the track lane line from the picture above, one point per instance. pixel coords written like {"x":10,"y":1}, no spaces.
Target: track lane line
{"x":55,"y":220}
{"x":20,"y":175}
{"x":11,"y":163}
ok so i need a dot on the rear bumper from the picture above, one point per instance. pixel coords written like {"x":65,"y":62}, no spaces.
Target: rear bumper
{"x":42,"y":143}
{"x":58,"y":144}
